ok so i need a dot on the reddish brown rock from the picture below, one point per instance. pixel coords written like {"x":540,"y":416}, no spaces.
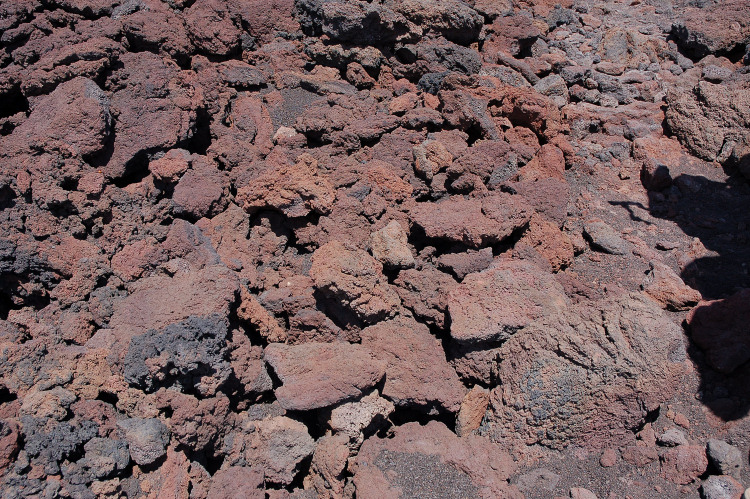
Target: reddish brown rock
{"x":559,"y":373}
{"x":74,"y":119}
{"x":417,"y":375}
{"x":389,"y":245}
{"x":475,"y":222}
{"x":639,"y":455}
{"x":315,"y":375}
{"x":213,"y":28}
{"x":719,"y":27}
{"x":719,"y":327}
{"x":684,"y":464}
{"x":432,"y":458}
{"x":550,"y":242}
{"x":665,"y":286}
{"x":329,"y":465}
{"x":425,"y":293}
{"x":472,"y":411}
{"x":201,"y":191}
{"x":158,"y":301}
{"x":356,"y":279}
{"x":157,"y":109}
{"x":294,"y":190}
{"x":236,"y":482}
{"x":525,"y":292}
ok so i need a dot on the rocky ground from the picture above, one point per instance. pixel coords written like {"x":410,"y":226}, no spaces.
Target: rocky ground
{"x":338,"y":248}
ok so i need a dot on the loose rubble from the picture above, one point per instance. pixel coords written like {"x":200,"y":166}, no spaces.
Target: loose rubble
{"x":374,"y":248}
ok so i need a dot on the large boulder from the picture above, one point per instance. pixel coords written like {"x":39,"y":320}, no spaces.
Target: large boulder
{"x":588,"y":375}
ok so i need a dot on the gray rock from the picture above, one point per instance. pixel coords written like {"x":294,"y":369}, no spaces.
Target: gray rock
{"x":672,"y":438}
{"x":720,"y":487}
{"x":715,"y":73}
{"x":605,"y":238}
{"x":146,"y":438}
{"x":189,"y":355}
{"x":726,"y":458}
{"x":105,"y":457}
{"x":554,"y":87}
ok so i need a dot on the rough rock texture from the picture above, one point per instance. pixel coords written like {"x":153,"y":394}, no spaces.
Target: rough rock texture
{"x":526,"y":294}
{"x":550,"y":385}
{"x":431,"y":459}
{"x":417,"y":376}
{"x":352,"y":248}
{"x":317,"y":375}
{"x":474,"y":222}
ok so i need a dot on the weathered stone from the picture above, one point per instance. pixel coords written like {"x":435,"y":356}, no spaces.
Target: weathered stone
{"x":315,"y":375}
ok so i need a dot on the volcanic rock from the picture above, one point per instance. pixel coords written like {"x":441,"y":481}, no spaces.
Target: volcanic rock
{"x":431,"y":458}
{"x":527,"y":294}
{"x":417,"y":376}
{"x":315,"y":375}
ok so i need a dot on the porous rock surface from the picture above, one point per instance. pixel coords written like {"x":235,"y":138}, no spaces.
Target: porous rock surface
{"x":374,"y":248}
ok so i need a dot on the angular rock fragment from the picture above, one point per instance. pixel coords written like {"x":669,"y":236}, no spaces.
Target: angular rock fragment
{"x":355,"y":279}
{"x":475,"y":222}
{"x":417,"y":376}
{"x":294,"y":190}
{"x":492,"y":305}
{"x":389,"y":246}
{"x":74,"y":119}
{"x":147,"y":439}
{"x":316,"y":375}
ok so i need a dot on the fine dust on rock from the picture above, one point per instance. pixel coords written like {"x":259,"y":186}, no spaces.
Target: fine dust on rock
{"x":350,"y":248}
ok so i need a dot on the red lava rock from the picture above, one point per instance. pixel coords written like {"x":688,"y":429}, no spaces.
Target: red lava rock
{"x":608,"y":458}
{"x":237,"y":481}
{"x":526,"y":292}
{"x":718,"y":327}
{"x":639,"y":455}
{"x":75,"y":119}
{"x":242,"y":244}
{"x":425,"y":293}
{"x":549,"y":378}
{"x":472,"y":411}
{"x":551,"y":243}
{"x":315,"y":375}
{"x":666,"y":287}
{"x":417,"y":375}
{"x":296,"y":190}
{"x":154,"y":111}
{"x":355,"y":279}
{"x":683,"y":464}
{"x":475,"y":222}
{"x":431,"y":458}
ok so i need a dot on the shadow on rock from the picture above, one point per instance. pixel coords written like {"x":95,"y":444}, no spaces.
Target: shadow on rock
{"x":715,"y":214}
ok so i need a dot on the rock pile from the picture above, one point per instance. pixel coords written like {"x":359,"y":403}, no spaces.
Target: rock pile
{"x":349,"y":248}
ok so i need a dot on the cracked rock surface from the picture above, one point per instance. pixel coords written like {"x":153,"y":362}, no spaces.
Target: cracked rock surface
{"x":374,"y":248}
